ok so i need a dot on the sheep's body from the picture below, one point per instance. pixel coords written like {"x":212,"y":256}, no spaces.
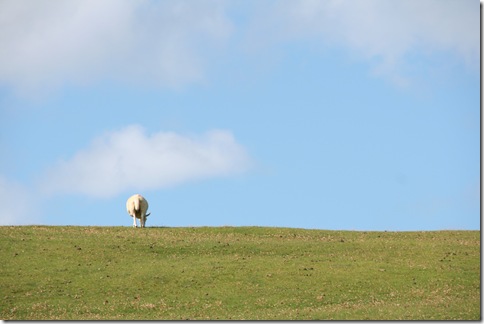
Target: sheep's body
{"x":137,"y":206}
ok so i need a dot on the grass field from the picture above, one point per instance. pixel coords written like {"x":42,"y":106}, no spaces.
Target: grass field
{"x":73,"y":273}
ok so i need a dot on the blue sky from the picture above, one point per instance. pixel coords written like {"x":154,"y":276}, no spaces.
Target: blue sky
{"x":351,"y":115}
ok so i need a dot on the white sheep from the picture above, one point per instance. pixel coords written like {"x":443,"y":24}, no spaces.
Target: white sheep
{"x":137,"y":207}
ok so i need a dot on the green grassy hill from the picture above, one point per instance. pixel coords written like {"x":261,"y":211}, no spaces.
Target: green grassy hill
{"x":237,"y":273}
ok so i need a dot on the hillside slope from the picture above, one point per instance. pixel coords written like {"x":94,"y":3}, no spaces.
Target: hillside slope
{"x":237,"y":273}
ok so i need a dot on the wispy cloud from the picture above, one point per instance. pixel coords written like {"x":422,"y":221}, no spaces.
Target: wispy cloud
{"x":129,"y":159}
{"x":384,"y":33}
{"x":49,"y":43}
{"x":18,"y":204}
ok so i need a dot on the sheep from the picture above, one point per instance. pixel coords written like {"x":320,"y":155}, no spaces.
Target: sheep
{"x":137,"y":207}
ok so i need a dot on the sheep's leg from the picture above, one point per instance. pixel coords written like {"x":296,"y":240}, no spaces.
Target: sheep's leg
{"x":134,"y":221}
{"x":142,"y":221}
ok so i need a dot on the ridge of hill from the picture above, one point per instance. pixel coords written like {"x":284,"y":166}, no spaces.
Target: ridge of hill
{"x":109,"y":273}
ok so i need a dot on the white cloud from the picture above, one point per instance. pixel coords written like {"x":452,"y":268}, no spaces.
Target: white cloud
{"x":129,"y":159}
{"x":47,"y":43}
{"x":383,"y":32}
{"x":18,"y":205}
